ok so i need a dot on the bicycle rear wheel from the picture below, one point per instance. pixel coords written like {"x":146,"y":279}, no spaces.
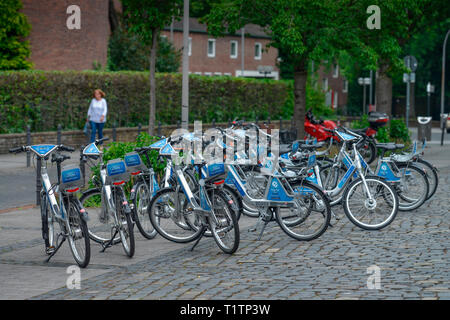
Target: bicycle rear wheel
{"x":140,"y":209}
{"x":413,"y":188}
{"x":432,"y":176}
{"x":78,"y":236}
{"x":125,"y":224}
{"x":369,"y":214}
{"x":224,"y":227}
{"x":310,"y":216}
{"x":101,"y":223}
{"x":48,"y":229}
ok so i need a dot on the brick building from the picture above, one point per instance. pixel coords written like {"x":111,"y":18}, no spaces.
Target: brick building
{"x":56,"y":47}
{"x":223,"y":56}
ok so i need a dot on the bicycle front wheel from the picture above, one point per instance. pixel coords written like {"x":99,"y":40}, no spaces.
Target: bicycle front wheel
{"x":78,"y":236}
{"x":169,"y":213}
{"x":370,"y":213}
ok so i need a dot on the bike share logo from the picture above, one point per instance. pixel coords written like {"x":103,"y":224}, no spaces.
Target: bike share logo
{"x":383,"y":170}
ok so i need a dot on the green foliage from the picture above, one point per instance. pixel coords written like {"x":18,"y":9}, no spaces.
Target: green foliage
{"x":44,"y":99}
{"x":396,"y":132}
{"x":13,"y":28}
{"x":127,"y":52}
{"x":145,"y":16}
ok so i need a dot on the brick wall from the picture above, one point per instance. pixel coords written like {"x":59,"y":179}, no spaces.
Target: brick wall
{"x":222,"y":62}
{"x":54,"y":46}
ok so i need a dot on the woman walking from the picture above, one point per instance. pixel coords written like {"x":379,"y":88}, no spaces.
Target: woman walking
{"x":97,"y":114}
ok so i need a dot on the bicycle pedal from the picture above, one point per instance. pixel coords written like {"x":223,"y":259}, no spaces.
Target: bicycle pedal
{"x":50,"y":250}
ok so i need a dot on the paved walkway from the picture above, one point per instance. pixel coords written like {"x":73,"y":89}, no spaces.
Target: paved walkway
{"x":412,"y":255}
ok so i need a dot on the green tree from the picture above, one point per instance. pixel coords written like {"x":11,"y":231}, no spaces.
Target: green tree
{"x":146,"y":18}
{"x":13,"y":28}
{"x":127,"y":52}
{"x":381,"y":49}
{"x":303,"y":30}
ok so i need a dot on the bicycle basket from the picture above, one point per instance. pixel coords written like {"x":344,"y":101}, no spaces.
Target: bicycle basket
{"x":116,"y":171}
{"x":71,"y":178}
{"x":134,"y":163}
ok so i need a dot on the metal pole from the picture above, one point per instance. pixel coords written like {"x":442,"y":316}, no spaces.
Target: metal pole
{"x":58,"y":136}
{"x":364,"y":99}
{"x":443,"y":86}
{"x":185,"y":84}
{"x":171,"y":29}
{"x":428,"y":104}
{"x":28,"y":143}
{"x":407,"y":100}
{"x":114,"y":132}
{"x":242,"y":51}
{"x":38,"y":181}
{"x":371,"y":88}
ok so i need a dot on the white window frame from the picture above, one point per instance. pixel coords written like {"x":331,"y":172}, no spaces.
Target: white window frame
{"x":335,"y":99}
{"x":345,"y":87}
{"x":190,"y":46}
{"x":260,"y":50}
{"x":335,"y":71}
{"x":213,"y":54}
{"x":217,"y":73}
{"x":325,"y":84}
{"x":234,"y":56}
{"x":208,"y":74}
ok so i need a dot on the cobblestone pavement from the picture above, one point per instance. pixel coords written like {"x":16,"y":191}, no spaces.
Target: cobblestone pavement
{"x":412,"y":254}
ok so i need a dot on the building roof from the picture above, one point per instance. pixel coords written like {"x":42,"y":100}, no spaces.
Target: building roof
{"x":251,"y":30}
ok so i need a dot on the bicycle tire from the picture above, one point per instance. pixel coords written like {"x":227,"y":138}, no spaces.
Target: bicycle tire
{"x":78,"y":228}
{"x":140,"y":213}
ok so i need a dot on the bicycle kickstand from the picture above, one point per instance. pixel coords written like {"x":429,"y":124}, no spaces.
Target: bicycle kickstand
{"x":56,"y":249}
{"x":262,"y":230}
{"x":199,"y":238}
{"x":109,"y":243}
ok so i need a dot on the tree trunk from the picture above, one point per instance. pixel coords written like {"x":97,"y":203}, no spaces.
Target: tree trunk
{"x":300,"y":76}
{"x":384,"y":91}
{"x":151,"y":118}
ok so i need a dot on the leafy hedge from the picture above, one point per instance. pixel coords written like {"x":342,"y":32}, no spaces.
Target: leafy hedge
{"x":43,"y":99}
{"x":395,"y":132}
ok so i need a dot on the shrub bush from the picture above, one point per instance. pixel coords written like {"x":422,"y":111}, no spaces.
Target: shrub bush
{"x":44,"y":99}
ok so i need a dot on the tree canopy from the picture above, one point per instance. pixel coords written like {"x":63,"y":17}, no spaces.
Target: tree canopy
{"x":14,"y":27}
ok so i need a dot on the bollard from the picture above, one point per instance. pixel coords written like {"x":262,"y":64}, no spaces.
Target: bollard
{"x":178,"y":124}
{"x":139,"y":129}
{"x":114,"y":132}
{"x":229,"y":122}
{"x":281,"y":123}
{"x":38,"y":181}
{"x":28,"y":143}
{"x":88,"y":132}
{"x":268,"y":119}
{"x":58,"y":135}
{"x":214,"y":123}
{"x":256,"y":120}
{"x":159,"y":128}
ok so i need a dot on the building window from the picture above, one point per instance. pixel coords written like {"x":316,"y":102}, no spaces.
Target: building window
{"x":335,"y":100}
{"x":258,"y":50}
{"x":190,"y":47}
{"x":335,"y":71}
{"x":198,"y":73}
{"x":208,"y":74}
{"x":211,"y":48}
{"x":217,"y":73}
{"x":345,"y":88}
{"x":233,"y":49}
{"x":325,"y":84}
{"x":227,"y":74}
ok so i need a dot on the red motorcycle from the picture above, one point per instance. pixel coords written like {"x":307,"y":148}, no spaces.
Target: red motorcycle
{"x":322,"y":131}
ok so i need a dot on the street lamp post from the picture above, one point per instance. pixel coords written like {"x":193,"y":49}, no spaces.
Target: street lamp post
{"x":363,"y":82}
{"x":430,"y":90}
{"x":443,"y":87}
